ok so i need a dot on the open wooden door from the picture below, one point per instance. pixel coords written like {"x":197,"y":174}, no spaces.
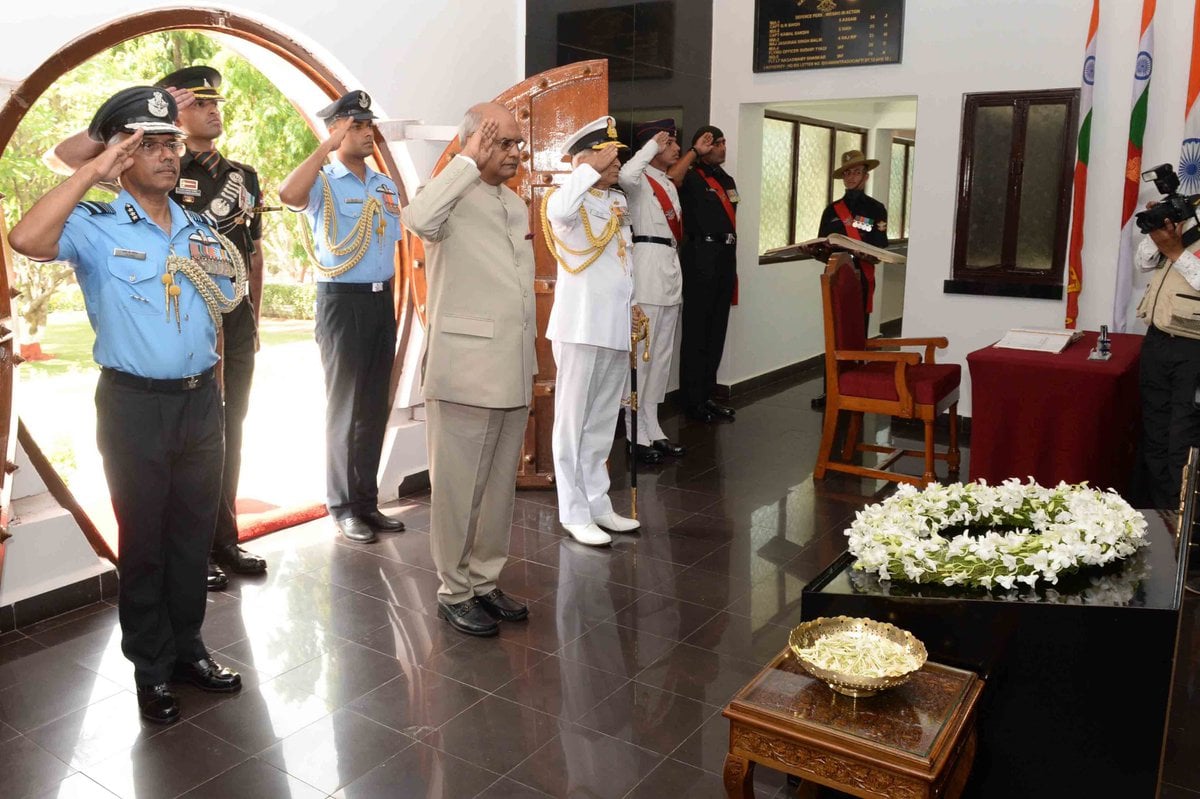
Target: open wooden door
{"x":549,"y":107}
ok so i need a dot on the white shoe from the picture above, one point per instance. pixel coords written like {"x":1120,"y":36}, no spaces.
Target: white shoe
{"x":588,"y":534}
{"x":619,"y":524}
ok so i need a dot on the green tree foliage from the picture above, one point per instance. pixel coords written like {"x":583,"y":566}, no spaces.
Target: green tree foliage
{"x":262,"y":129}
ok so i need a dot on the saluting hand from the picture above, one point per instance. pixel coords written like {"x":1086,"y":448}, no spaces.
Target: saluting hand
{"x":662,"y":139}
{"x":704,"y":144}
{"x":338,"y":131}
{"x":184,"y":98}
{"x":599,"y":160}
{"x":480,"y":144}
{"x":116,"y":158}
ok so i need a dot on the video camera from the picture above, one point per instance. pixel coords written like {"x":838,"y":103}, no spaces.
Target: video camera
{"x":1172,"y":207}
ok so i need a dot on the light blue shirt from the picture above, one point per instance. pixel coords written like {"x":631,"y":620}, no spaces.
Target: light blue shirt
{"x":350,"y":194}
{"x":120,"y":255}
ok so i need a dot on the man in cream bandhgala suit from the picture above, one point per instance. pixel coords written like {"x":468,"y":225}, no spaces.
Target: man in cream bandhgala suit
{"x":479,"y":363}
{"x":588,"y":233}
{"x":657,"y":281}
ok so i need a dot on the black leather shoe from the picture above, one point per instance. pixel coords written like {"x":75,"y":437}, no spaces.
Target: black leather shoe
{"x":668,"y":447}
{"x":381,"y":523}
{"x":700,"y":413}
{"x":156,"y":703}
{"x":501,"y":606}
{"x":355,"y":529}
{"x":208,"y":675}
{"x":238,"y":560}
{"x":716,"y":409}
{"x":468,"y":617}
{"x":646,"y":454}
{"x":217,"y":579}
{"x":818,"y":403}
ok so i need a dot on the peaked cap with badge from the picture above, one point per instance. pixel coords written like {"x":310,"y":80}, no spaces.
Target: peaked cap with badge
{"x":595,"y":135}
{"x":200,"y":80}
{"x":852,"y":158}
{"x":645,"y":131}
{"x":355,"y":104}
{"x":144,"y":108}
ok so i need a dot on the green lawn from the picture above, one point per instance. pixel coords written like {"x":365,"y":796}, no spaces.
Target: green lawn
{"x":68,"y":337}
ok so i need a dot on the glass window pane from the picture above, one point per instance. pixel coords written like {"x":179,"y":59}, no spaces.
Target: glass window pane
{"x":989,"y":186}
{"x":912,"y":157}
{"x":1038,"y":225}
{"x":812,"y":172}
{"x":777,"y":184}
{"x":846,"y":140}
{"x":895,"y":203}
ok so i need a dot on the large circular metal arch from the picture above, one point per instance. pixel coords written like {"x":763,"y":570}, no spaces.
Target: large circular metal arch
{"x":67,"y":58}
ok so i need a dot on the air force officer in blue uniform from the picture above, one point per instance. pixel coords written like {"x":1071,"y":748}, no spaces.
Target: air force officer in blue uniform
{"x":155,"y":279}
{"x":354,"y":213}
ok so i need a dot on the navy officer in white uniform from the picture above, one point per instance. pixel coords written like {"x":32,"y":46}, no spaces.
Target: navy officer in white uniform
{"x":354,"y":213}
{"x":156,"y":280}
{"x":588,"y":232}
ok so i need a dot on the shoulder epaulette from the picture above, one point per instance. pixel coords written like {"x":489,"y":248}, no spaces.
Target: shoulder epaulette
{"x":94,"y":208}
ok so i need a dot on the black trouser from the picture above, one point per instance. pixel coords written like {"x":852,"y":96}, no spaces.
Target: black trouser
{"x":162,"y":457}
{"x":356,"y":333}
{"x":709,"y":275}
{"x":238,"y":369}
{"x":1170,"y":367}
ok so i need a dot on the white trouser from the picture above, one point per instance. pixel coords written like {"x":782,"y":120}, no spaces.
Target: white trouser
{"x":587,"y":398}
{"x":653,"y":375}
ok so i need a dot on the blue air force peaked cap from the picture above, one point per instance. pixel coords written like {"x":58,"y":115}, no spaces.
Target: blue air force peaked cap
{"x":355,"y":104}
{"x":200,"y":80}
{"x":144,"y":108}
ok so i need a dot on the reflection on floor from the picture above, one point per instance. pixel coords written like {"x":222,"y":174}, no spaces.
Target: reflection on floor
{"x":354,"y":688}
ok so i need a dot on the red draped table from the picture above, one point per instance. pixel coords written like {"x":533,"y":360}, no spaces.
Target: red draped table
{"x":1056,"y":416}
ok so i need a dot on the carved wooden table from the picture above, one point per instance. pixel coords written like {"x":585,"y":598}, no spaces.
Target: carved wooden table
{"x":917,"y":740}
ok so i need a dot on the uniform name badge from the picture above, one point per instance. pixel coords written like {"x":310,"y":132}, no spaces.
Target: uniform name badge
{"x":188,"y":187}
{"x":732,"y":195}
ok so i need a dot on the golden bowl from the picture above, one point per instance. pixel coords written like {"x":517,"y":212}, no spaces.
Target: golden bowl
{"x":856,"y":685}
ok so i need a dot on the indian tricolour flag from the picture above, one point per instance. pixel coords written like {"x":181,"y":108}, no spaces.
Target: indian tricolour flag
{"x":1075,"y":252}
{"x":1133,"y":165}
{"x":1189,"y":153}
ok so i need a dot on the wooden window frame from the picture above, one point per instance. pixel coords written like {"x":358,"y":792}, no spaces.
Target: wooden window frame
{"x":910,"y":146}
{"x":834,"y":127}
{"x":1007,"y":278}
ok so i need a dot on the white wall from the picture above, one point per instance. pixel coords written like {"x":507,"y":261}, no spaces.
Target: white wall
{"x":951,"y":47}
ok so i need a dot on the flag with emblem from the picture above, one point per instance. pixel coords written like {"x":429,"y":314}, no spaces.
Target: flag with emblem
{"x":1083,"y":151}
{"x":1143,"y":67}
{"x":1189,"y":151}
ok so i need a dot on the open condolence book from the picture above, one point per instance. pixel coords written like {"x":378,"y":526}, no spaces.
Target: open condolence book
{"x":1022,"y":338}
{"x":821,"y":248}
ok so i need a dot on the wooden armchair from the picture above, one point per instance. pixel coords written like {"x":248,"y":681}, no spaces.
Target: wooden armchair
{"x":863,"y":378}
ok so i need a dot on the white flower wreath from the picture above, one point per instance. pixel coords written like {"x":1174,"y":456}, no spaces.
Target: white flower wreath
{"x":980,"y":535}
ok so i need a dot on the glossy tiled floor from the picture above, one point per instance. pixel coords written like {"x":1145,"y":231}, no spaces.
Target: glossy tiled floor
{"x":354,"y":688}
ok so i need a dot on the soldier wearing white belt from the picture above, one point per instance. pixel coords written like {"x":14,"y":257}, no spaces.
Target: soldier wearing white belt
{"x":657,"y":281}
{"x":587,"y":230}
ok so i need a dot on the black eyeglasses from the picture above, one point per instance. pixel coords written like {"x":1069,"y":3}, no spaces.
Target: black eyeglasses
{"x":153,"y":148}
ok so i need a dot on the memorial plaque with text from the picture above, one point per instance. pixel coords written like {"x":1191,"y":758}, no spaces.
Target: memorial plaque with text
{"x":807,"y":34}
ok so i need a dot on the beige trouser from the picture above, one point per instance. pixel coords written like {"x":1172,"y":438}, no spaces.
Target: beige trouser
{"x":473,"y":458}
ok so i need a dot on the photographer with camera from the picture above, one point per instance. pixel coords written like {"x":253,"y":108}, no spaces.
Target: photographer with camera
{"x":1170,"y":360}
